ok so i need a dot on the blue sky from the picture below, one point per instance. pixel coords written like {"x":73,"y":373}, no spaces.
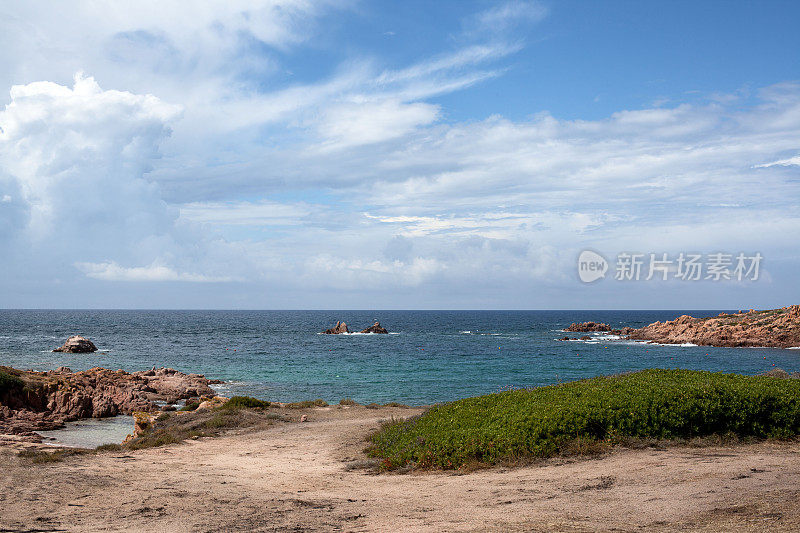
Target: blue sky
{"x":345,"y":154}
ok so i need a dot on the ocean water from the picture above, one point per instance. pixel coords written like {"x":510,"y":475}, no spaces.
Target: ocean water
{"x":430,"y":356}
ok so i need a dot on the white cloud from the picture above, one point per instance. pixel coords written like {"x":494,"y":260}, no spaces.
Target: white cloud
{"x":360,"y":123}
{"x":111,"y":271}
{"x":792,"y":161}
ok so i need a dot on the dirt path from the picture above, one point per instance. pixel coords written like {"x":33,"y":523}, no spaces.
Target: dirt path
{"x":293,"y":477}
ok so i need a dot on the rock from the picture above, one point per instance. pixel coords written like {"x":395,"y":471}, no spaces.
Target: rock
{"x":586,"y":338}
{"x":77,"y":344}
{"x":49,"y":399}
{"x":775,"y":328}
{"x":585,"y":327}
{"x":339,"y":328}
{"x":142,"y":423}
{"x":63,"y":370}
{"x":216,"y":401}
{"x":375,"y":328}
{"x":304,"y":418}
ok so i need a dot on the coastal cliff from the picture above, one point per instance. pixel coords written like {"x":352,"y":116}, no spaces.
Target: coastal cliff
{"x":32,"y":401}
{"x":773,"y":328}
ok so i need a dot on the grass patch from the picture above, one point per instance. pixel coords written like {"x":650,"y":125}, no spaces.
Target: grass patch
{"x":307,"y":404}
{"x":347,"y":401}
{"x":205,"y":423}
{"x":583,"y":416}
{"x":245,"y":401}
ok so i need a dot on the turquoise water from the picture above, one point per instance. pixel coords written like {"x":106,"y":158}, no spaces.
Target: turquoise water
{"x":431,"y":356}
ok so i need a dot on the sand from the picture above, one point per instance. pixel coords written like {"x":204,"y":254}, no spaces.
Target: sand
{"x":298,"y":477}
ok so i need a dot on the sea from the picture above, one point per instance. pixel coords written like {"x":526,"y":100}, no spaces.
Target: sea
{"x":428,"y":357}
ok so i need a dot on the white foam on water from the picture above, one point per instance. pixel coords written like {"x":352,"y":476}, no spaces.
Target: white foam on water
{"x":793,"y":348}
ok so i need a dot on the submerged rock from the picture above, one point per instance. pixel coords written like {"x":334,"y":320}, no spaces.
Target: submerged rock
{"x":77,"y":344}
{"x":375,"y":328}
{"x":339,"y":328}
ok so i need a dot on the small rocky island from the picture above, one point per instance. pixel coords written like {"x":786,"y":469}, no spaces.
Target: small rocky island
{"x":341,"y":328}
{"x":772,"y":328}
{"x":77,"y":344}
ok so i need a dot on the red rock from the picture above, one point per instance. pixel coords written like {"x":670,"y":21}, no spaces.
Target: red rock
{"x":339,"y":328}
{"x":50,"y":399}
{"x":375,"y":328}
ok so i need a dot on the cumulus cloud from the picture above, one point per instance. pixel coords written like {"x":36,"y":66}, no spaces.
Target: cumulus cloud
{"x":212,"y":167}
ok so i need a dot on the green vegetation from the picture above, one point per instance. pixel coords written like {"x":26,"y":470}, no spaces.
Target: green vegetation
{"x":204,"y":423}
{"x":347,"y":401}
{"x":110,"y":447}
{"x":651,"y":404}
{"x":9,"y":382}
{"x":307,"y":404}
{"x":190,"y":406}
{"x":245,"y":401}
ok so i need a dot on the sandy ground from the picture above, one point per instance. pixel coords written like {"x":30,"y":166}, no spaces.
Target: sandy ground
{"x":294,"y":477}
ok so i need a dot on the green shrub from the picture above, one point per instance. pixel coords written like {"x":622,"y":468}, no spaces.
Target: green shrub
{"x":651,"y":404}
{"x":9,"y":382}
{"x":108,"y":447}
{"x":347,"y":401}
{"x":245,"y":402}
{"x":190,"y":406}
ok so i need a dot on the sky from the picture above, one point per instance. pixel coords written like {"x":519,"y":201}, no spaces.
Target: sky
{"x":345,"y":154}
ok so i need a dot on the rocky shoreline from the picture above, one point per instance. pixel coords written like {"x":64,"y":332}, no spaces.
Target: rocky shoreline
{"x":33,"y":401}
{"x":772,"y":328}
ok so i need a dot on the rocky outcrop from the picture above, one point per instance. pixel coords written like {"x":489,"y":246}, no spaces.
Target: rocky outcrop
{"x":77,"y":344}
{"x":339,"y":328}
{"x":585,"y":327}
{"x":775,"y":328}
{"x":48,"y":399}
{"x":375,"y":328}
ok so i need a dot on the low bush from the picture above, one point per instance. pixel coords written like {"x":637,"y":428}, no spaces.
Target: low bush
{"x":9,"y":382}
{"x":541,"y":422}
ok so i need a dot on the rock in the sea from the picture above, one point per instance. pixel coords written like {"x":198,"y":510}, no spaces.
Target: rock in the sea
{"x":585,"y":327}
{"x":375,"y":328}
{"x":340,"y":327}
{"x":774,"y":328}
{"x":77,"y":344}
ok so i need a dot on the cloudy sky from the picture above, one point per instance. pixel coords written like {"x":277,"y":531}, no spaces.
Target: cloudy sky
{"x":344,"y":154}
